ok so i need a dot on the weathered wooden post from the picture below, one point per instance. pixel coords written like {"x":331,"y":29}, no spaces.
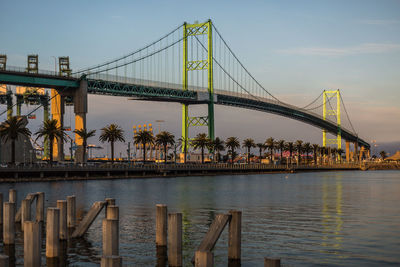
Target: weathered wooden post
{"x":203,"y":259}
{"x":268,"y":262}
{"x":109,"y":202}
{"x":161,"y":224}
{"x":12,"y":196}
{"x":40,"y":207}
{"x":62,"y":205}
{"x":110,"y":237}
{"x":235,"y":235}
{"x":9,"y":223}
{"x":175,"y":239}
{"x":53,"y":233}
{"x":112,"y":212}
{"x":71,"y":211}
{"x":32,"y":244}
{"x":25,"y":212}
{"x":111,"y":261}
{"x":4,"y":260}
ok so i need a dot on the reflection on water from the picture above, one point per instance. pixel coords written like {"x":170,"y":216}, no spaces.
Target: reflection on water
{"x":327,"y":218}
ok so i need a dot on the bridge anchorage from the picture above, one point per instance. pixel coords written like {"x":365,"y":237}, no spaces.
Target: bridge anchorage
{"x":192,"y":64}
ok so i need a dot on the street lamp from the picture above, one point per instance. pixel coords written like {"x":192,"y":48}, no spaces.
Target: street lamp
{"x":55,"y":65}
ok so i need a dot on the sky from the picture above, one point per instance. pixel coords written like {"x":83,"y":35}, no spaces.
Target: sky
{"x":295,"y":49}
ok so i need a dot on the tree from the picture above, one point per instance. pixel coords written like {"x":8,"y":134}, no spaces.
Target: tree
{"x":315,"y":148}
{"x":299,"y":148}
{"x":281,"y":146}
{"x":261,"y":147}
{"x":232,"y":143}
{"x":248,"y":143}
{"x":307,"y":149}
{"x":143,"y":138}
{"x":383,"y":154}
{"x":201,"y":141}
{"x":85,"y":135}
{"x":290,"y":148}
{"x":50,"y":130}
{"x":112,"y":133}
{"x":164,"y":139}
{"x":270,"y":145}
{"x":219,"y":145}
{"x":11,"y":129}
{"x":183,"y":143}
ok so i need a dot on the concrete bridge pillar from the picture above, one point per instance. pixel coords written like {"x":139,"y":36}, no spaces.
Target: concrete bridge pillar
{"x":347,"y":151}
{"x":57,"y":113}
{"x":80,"y":109}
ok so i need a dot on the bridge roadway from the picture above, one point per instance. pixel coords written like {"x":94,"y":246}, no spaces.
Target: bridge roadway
{"x":157,"y":91}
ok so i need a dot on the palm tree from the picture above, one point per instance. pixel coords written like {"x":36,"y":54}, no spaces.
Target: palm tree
{"x":307,"y":148}
{"x":50,"y":130}
{"x":315,"y":148}
{"x":248,"y":143}
{"x":299,"y":148}
{"x":219,"y":145}
{"x":261,"y":147}
{"x":144,"y":138}
{"x":290,"y":148}
{"x":281,"y":146}
{"x":383,"y":154}
{"x":164,"y":139}
{"x":11,"y":129}
{"x":201,"y":141}
{"x":232,"y":143}
{"x":112,"y":133}
{"x":270,"y":145}
{"x":85,"y":135}
{"x":183,"y":143}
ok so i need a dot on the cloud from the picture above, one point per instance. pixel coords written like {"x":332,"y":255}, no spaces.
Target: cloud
{"x":367,"y":48}
{"x":379,"y":21}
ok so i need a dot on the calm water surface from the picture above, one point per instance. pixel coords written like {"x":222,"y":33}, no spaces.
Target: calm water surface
{"x":323,"y":218}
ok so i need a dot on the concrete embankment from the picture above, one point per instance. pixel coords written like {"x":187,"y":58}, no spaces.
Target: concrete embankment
{"x":57,"y":173}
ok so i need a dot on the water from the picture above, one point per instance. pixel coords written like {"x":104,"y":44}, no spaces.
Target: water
{"x":347,"y":218}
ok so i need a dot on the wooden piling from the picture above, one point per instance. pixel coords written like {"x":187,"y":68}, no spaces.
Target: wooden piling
{"x":111,"y":261}
{"x":62,"y":205}
{"x":8,"y":224}
{"x":110,"y":237}
{"x":12,"y":196}
{"x":4,"y":260}
{"x":161,"y":224}
{"x":53,"y":233}
{"x":109,"y":202}
{"x":175,"y":239}
{"x":268,"y":262}
{"x":25,"y":212}
{"x":40,"y":207}
{"x":32,"y":244}
{"x":88,"y":219}
{"x":204,"y":259}
{"x":112,"y":212}
{"x":71,"y":211}
{"x":235,"y":235}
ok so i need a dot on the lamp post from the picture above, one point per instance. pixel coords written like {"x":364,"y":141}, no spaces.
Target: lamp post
{"x":55,"y":65}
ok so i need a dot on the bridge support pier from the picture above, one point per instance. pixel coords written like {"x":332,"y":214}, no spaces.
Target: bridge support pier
{"x":57,"y":113}
{"x":80,"y":109}
{"x":355,"y":155}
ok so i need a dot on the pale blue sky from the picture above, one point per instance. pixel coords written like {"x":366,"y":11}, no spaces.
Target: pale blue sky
{"x":294,"y":48}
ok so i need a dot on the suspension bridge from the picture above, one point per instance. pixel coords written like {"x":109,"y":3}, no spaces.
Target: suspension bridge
{"x":191,"y":65}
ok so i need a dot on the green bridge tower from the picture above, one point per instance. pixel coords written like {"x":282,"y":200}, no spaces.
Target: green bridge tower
{"x":193,"y":65}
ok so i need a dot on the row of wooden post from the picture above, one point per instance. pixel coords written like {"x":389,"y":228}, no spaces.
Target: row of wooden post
{"x":169,"y":237}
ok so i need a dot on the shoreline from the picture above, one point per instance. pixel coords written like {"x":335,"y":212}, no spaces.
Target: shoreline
{"x":18,"y":175}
